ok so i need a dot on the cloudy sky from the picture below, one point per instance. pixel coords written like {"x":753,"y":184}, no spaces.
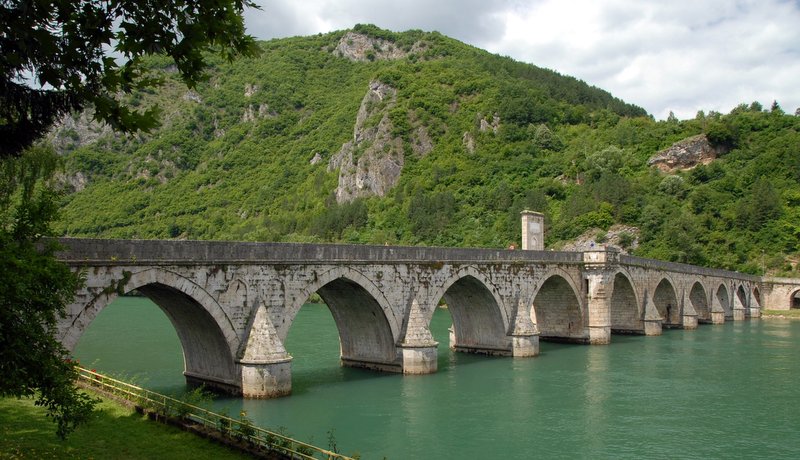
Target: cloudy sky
{"x":675,"y":55}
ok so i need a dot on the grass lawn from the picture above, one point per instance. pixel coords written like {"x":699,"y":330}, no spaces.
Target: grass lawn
{"x":793,"y":313}
{"x":114,"y":432}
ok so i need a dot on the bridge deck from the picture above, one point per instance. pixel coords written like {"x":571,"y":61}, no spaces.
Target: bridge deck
{"x":89,"y":251}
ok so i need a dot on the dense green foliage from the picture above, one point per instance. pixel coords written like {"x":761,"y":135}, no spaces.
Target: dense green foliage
{"x":33,"y":293}
{"x":53,"y":57}
{"x":232,"y":160}
{"x":53,"y":60}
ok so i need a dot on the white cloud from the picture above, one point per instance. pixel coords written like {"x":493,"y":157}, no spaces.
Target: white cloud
{"x":681,"y":56}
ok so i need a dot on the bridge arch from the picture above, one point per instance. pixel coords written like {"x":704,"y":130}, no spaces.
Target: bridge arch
{"x":556,"y":308}
{"x":699,"y":299}
{"x":665,"y":299}
{"x":756,"y":295}
{"x":626,"y":312}
{"x":724,"y":299}
{"x":480,"y":321}
{"x":206,"y":333}
{"x":741,"y":295}
{"x":367,"y":325}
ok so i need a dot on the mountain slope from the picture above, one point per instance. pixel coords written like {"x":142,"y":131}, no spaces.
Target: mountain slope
{"x":414,"y":138}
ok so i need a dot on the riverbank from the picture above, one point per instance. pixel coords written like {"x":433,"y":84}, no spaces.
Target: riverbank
{"x":781,"y":314}
{"x":114,"y":431}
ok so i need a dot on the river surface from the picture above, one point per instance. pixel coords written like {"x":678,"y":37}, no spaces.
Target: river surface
{"x":727,"y":391}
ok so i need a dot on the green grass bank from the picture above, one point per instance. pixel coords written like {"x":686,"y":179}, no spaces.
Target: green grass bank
{"x":114,"y":432}
{"x":793,"y":313}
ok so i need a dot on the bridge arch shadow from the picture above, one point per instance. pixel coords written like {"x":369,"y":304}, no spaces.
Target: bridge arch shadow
{"x":665,"y":299}
{"x":363,"y":318}
{"x":741,"y":295}
{"x":756,"y":293}
{"x":207,"y":337}
{"x":557,"y":310}
{"x":724,"y":300}
{"x":699,"y":299}
{"x":626,"y":314}
{"x":479,"y":321}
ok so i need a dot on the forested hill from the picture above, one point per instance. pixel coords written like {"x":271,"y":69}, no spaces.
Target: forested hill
{"x":370,"y":136}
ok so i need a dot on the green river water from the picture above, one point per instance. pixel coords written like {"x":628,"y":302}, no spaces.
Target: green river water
{"x":727,"y":391}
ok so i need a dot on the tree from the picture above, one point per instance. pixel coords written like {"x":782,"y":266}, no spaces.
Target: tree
{"x":760,"y":206}
{"x":54,"y":57}
{"x":33,"y":293}
{"x":54,"y":60}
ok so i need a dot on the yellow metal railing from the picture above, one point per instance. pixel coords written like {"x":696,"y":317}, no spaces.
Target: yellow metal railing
{"x":241,"y":429}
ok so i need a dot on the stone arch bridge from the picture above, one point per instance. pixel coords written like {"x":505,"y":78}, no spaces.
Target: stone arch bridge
{"x":232,"y":304}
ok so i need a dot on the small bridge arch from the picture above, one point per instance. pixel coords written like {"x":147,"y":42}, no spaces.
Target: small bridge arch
{"x":698,"y":296}
{"x":480,"y":320}
{"x":667,"y":301}
{"x":625,"y":306}
{"x":557,"y":309}
{"x":368,"y":328}
{"x":723,"y":297}
{"x":742,"y":300}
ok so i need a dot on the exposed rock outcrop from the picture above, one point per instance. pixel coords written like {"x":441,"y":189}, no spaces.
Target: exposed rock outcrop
{"x":360,"y":47}
{"x":72,"y":183}
{"x":494,"y":125}
{"x":469,"y":142}
{"x":686,"y":154}
{"x":316,"y":159}
{"x":371,"y":163}
{"x":621,"y":237}
{"x":421,"y":142}
{"x":76,"y":130}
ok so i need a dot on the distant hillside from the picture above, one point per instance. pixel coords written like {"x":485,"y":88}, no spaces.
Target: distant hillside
{"x":370,"y":136}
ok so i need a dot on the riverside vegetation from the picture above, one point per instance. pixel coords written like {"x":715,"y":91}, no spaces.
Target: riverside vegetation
{"x":113,"y":431}
{"x":371,"y":136}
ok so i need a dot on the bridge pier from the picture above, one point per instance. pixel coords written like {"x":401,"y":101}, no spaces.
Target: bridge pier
{"x":690,"y":322}
{"x":652,"y":327}
{"x":689,"y":317}
{"x":599,"y":335}
{"x":525,"y":346}
{"x":598,"y":297}
{"x":420,"y":359}
{"x":717,"y":312}
{"x":653,"y":322}
{"x":267,"y":379}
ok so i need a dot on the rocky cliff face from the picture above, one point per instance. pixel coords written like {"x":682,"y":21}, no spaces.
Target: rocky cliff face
{"x":686,"y":154}
{"x":371,"y":163}
{"x":76,"y":130}
{"x":623,"y":238}
{"x":358,"y":47}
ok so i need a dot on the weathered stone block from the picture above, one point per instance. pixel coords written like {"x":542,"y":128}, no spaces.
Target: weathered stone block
{"x":525,"y":346}
{"x":267,"y":380}
{"x":420,"y":360}
{"x":652,"y":328}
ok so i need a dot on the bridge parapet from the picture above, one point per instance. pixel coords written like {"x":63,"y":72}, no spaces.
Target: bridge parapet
{"x":684,"y":268}
{"x":86,"y":251}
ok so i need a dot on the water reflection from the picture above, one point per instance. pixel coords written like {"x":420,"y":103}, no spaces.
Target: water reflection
{"x":718,"y":392}
{"x":598,"y":393}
